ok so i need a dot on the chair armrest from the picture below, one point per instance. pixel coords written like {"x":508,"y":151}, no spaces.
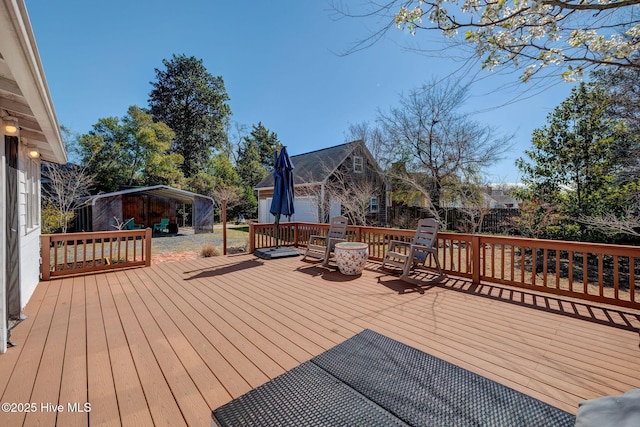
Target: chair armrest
{"x":317,"y":238}
{"x":420,"y":252}
{"x":424,"y":248}
{"x":394,"y":243}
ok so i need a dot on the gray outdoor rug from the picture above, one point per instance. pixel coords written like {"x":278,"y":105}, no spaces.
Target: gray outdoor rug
{"x":372,"y":380}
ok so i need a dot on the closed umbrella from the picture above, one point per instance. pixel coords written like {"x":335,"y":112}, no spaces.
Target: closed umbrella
{"x":282,"y":202}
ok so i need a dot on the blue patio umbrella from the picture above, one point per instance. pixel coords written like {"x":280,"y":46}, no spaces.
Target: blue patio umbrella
{"x":282,"y":202}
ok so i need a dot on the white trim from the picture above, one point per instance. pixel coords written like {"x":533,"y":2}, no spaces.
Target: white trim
{"x":358,"y":164}
{"x":20,"y":52}
{"x":372,"y":204}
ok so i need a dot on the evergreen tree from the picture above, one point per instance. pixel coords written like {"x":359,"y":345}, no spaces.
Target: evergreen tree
{"x":575,"y":164}
{"x":193,"y":103}
{"x":255,"y":160}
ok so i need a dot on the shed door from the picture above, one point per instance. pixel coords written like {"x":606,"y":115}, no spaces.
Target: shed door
{"x":12,"y":242}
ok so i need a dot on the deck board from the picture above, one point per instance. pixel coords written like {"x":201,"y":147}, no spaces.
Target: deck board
{"x":73,"y":387}
{"x":101,"y":391}
{"x":168,"y":343}
{"x":49,"y":371}
{"x":132,"y":403}
{"x":162,"y":403}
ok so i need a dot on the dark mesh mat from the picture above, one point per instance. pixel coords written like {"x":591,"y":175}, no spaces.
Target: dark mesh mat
{"x":423,"y":390}
{"x":372,"y":380}
{"x":304,"y":396}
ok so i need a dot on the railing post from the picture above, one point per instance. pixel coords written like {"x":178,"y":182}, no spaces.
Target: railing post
{"x":45,"y":257}
{"x":296,"y":234}
{"x":147,"y":243}
{"x":252,"y":237}
{"x":475,"y":259}
{"x":358,"y":234}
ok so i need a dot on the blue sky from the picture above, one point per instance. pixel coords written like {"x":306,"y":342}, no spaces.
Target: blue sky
{"x":278,"y":60}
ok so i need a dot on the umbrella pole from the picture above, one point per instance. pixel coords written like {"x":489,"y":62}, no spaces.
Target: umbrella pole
{"x":277,"y":223}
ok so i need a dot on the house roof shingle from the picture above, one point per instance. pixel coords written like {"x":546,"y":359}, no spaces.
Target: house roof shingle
{"x":315,"y":166}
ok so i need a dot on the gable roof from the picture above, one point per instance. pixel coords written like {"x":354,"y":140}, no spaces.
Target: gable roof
{"x":24,"y":93}
{"x":155,"y":190}
{"x":316,"y":166}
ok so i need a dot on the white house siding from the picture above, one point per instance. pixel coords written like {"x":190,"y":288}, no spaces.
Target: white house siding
{"x":29,"y":236}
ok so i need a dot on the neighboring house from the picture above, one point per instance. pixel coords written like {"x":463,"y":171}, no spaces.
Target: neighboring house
{"x":501,"y":196}
{"x":317,"y":175}
{"x":494,"y":196}
{"x":29,"y":133}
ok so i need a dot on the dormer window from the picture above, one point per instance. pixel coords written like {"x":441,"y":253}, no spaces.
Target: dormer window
{"x":358,"y":164}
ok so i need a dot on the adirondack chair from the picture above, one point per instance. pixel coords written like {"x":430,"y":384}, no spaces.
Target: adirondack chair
{"x":321,"y":247}
{"x":131,"y":225}
{"x":408,"y":255}
{"x":162,"y":225}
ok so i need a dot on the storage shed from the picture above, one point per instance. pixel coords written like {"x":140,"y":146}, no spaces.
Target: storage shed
{"x":147,"y":206}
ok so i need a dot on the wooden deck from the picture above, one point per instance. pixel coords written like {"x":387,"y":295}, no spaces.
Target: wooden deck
{"x":166,"y":344}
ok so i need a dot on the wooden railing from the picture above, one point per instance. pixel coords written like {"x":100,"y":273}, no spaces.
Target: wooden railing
{"x":595,"y":272}
{"x":79,"y":253}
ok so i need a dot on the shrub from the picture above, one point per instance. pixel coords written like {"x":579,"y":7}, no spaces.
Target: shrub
{"x":209,"y":250}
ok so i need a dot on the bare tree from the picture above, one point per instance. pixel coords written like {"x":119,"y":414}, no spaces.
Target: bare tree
{"x":64,"y":189}
{"x":612,"y":224}
{"x":373,"y":138}
{"x":354,"y":195}
{"x":230,"y":194}
{"x":433,"y":144}
{"x":473,"y":203}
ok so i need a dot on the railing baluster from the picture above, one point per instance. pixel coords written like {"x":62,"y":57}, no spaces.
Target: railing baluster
{"x":600,"y":275}
{"x":126,"y":249}
{"x":632,"y":279}
{"x":557,"y":252}
{"x":66,"y":257}
{"x":585,"y":273}
{"x":493,"y":260}
{"x":545,"y":260}
{"x":502,"y":261}
{"x":522,"y":264}
{"x":85,"y":260}
{"x":616,"y":284}
{"x":534,"y":265}
{"x":513,"y":262}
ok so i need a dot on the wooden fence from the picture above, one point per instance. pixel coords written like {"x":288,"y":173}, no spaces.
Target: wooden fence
{"x":596,"y":272}
{"x":80,"y":253}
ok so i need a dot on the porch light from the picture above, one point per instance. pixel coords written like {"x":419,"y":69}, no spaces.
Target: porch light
{"x":33,"y":153}
{"x":10,"y":125}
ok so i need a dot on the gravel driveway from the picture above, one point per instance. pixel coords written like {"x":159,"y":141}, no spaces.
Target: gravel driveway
{"x":187,"y":241}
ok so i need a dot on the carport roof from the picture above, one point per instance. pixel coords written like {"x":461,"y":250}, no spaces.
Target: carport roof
{"x":182,"y":196}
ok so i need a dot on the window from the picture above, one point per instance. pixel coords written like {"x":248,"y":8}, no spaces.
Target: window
{"x":358,"y":164}
{"x":32,"y":193}
{"x":373,"y":205}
